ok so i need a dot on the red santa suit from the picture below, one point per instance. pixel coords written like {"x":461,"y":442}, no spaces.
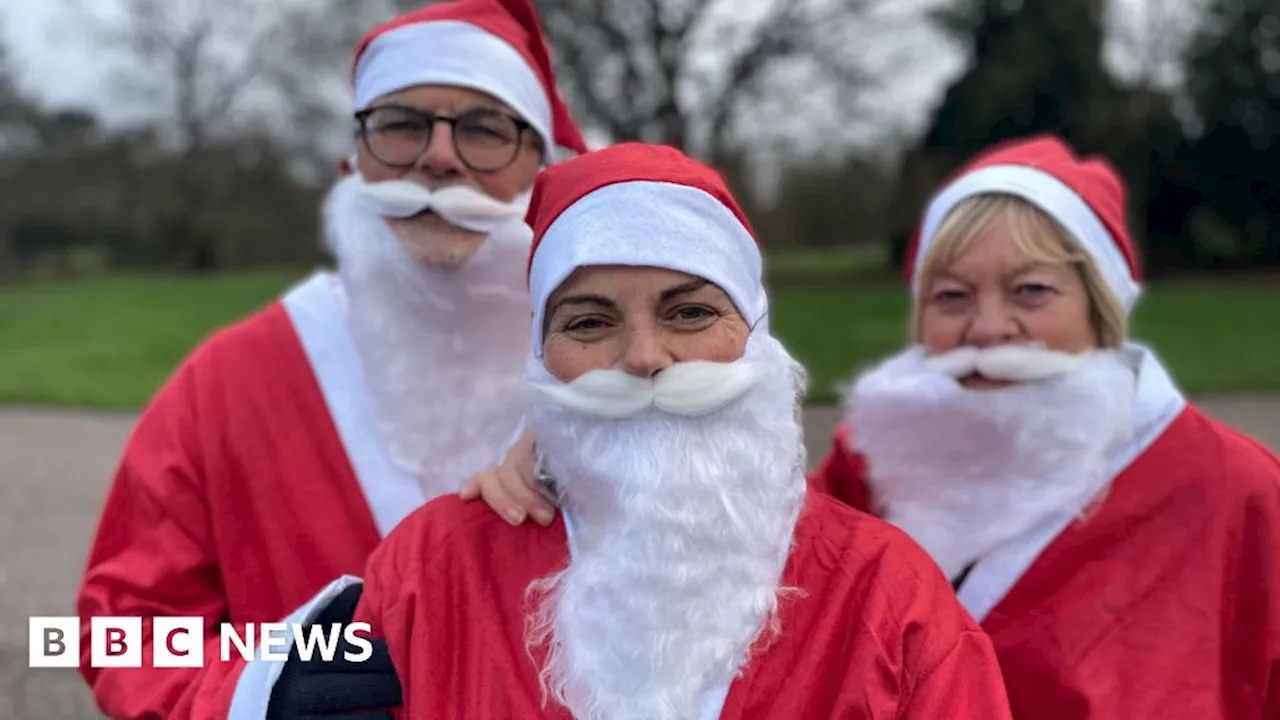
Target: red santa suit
{"x":257,"y":483}
{"x":1158,"y":598}
{"x":874,"y":633}
{"x":873,"y":629}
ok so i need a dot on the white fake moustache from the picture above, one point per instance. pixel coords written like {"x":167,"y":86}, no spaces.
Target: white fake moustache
{"x":690,"y":389}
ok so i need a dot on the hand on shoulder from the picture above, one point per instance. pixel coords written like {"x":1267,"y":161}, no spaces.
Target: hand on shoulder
{"x":512,"y":489}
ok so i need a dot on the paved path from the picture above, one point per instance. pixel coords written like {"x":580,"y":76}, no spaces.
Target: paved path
{"x":54,"y":470}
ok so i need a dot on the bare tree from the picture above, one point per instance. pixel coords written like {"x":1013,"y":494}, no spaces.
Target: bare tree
{"x":310,"y":68}
{"x":682,"y":71}
{"x":686,"y":72}
{"x":201,"y":73}
{"x":196,"y":65}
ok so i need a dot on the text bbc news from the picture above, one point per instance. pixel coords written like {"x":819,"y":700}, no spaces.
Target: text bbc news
{"x":182,"y":642}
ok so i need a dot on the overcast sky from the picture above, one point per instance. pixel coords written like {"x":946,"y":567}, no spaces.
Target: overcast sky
{"x":57,"y":63}
{"x":51,"y":55}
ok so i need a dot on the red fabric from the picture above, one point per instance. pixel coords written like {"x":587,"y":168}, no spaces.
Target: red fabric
{"x":1093,"y":178}
{"x":1164,"y":603}
{"x":877,"y":633}
{"x":560,"y":186}
{"x":234,"y":501}
{"x":842,"y":473}
{"x":514,"y":21}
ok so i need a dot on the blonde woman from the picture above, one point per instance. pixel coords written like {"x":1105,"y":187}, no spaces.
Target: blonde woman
{"x":1121,"y":549}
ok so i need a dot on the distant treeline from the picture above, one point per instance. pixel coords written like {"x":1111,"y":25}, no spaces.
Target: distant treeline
{"x":1199,"y":152}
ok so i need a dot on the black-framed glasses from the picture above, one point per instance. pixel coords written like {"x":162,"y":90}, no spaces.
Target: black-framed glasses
{"x":486,"y":140}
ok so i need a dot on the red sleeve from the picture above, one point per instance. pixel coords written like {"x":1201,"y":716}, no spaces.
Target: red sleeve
{"x":153,"y":556}
{"x":842,"y":473}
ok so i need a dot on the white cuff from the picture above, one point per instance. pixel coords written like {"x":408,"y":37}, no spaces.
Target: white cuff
{"x":253,"y":689}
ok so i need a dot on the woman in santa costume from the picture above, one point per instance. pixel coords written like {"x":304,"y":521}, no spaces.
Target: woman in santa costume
{"x":289,"y":444}
{"x":1121,"y":548}
{"x":691,"y":573}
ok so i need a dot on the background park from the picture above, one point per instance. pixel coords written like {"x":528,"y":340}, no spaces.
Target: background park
{"x":162,"y":165}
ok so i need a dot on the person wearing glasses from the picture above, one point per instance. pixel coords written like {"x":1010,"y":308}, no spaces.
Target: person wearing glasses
{"x":282,"y":450}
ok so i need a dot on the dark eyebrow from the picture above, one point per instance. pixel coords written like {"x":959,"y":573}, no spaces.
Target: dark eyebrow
{"x":683,"y":289}
{"x":583,"y":299}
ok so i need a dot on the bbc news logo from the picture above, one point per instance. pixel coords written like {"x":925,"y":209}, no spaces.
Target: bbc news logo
{"x":180,"y":642}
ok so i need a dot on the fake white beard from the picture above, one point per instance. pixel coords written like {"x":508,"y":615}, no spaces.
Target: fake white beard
{"x":965,"y":471}
{"x":682,"y":523}
{"x":442,"y":349}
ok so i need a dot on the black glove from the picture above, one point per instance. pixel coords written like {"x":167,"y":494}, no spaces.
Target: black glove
{"x":337,"y":689}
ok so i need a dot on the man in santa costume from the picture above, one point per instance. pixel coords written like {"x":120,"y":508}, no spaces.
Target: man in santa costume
{"x":690,"y":574}
{"x":286,"y":446}
{"x":1121,"y":548}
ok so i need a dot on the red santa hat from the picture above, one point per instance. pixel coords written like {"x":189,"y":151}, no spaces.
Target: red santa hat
{"x":1086,"y":195}
{"x":492,"y":46}
{"x":641,"y":205}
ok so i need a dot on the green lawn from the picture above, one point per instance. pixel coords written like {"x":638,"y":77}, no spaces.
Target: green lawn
{"x":110,"y":342}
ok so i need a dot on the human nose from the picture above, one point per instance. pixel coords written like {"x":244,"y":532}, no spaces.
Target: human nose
{"x":645,"y":354}
{"x":993,"y":324}
{"x":440,"y":159}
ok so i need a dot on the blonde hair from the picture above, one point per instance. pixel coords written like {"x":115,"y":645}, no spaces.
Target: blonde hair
{"x":1038,"y":236}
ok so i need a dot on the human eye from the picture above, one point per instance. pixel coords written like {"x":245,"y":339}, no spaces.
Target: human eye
{"x":691,"y":316}
{"x":401,"y":126}
{"x":486,"y":132}
{"x":949,"y":295}
{"x":693,"y":313}
{"x":487,"y":125}
{"x":1033,"y":289}
{"x":583,"y":326}
{"x":396,"y":122}
{"x":1032,"y":292}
